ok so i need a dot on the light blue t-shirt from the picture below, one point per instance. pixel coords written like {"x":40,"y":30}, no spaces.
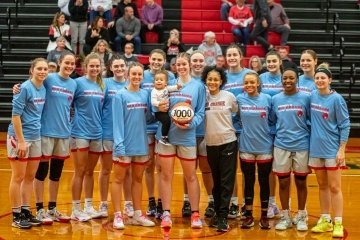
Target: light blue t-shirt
{"x":306,"y":85}
{"x":28,"y":104}
{"x":271,"y":84}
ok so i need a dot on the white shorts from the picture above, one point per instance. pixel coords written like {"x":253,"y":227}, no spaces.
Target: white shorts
{"x":286,"y":162}
{"x":201,"y":147}
{"x":107,"y":146}
{"x":125,"y":161}
{"x":182,"y":152}
{"x":54,"y":148}
{"x":151,"y":139}
{"x":259,"y":158}
{"x":325,"y":164}
{"x":93,"y":146}
{"x":34,"y":149}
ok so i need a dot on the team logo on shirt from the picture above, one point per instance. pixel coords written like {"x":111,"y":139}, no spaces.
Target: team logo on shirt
{"x":215,"y":105}
{"x":136,"y":105}
{"x":254,"y":109}
{"x":304,"y":90}
{"x":61,"y":90}
{"x":300,"y":113}
{"x":186,"y":97}
{"x":230,"y":86}
{"x":112,"y":92}
{"x":321,"y":109}
{"x":290,"y":107}
{"x":147,"y":86}
{"x":39,"y":101}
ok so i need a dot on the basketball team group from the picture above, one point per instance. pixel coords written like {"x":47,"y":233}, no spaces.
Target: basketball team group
{"x":137,"y":122}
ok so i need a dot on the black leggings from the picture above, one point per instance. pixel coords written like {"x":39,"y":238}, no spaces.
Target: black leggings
{"x":264,"y":170}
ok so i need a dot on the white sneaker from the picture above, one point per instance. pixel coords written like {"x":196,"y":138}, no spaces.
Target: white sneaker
{"x":92,"y":212}
{"x":57,"y":216}
{"x":80,"y":216}
{"x":297,"y":217}
{"x":103,"y":210}
{"x":129,"y":209}
{"x":41,"y":216}
{"x":272,"y":211}
{"x":142,"y":221}
{"x":285,"y":221}
{"x":302,"y":223}
{"x":118,"y":221}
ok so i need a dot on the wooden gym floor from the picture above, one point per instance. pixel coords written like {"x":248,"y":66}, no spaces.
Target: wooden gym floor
{"x":102,"y":229}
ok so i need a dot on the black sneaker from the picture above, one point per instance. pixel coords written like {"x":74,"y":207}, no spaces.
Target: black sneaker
{"x":30,"y":218}
{"x":242,"y":213}
{"x":248,"y":222}
{"x":159,"y":211}
{"x":222,"y":225}
{"x":164,"y":140}
{"x":214,"y":221}
{"x":151,"y":211}
{"x":20,"y":222}
{"x":186,"y":209}
{"x":234,"y":211}
{"x":210,"y":210}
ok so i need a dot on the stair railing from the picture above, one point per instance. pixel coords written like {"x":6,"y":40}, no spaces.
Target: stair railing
{"x":335,"y":29}
{"x":342,"y":54}
{"x":328,"y":6}
{"x":1,"y":56}
{"x":16,"y":11}
{"x":8,"y":22}
{"x":352,"y":83}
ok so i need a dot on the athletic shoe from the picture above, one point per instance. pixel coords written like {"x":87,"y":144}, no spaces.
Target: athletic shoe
{"x":338,"y":231}
{"x":248,"y":222}
{"x":264,"y":223}
{"x":322,"y":226}
{"x":151,"y":210}
{"x":159,"y":211}
{"x":272,"y":211}
{"x":92,"y":212}
{"x":223,"y":225}
{"x":210,"y":209}
{"x":302,"y":223}
{"x":195,"y":220}
{"x":166,"y":220}
{"x":80,"y":216}
{"x":214,"y":221}
{"x":129,"y":209}
{"x":165,"y":141}
{"x":118,"y":221}
{"x":30,"y":218}
{"x":297,"y":217}
{"x":20,"y":222}
{"x":142,"y":221}
{"x":234,"y":211}
{"x":41,"y":216}
{"x":186,"y":209}
{"x":57,"y":216}
{"x":284,"y":223}
{"x":242,"y":213}
{"x":103,"y":210}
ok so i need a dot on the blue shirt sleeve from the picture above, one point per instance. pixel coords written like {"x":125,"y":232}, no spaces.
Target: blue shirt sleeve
{"x":118,"y":126}
{"x":200,"y":108}
{"x":342,"y":119}
{"x":19,"y":101}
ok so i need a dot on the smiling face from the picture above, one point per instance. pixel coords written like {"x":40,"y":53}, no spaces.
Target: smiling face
{"x":156,"y":62}
{"x":67,"y":65}
{"x":118,"y":67}
{"x":213,"y":82}
{"x":307,"y":63}
{"x":273,"y":64}
{"x":136,"y":74}
{"x":160,"y":81}
{"x":40,"y":71}
{"x":289,"y":80}
{"x":322,"y":81}
{"x":197,"y":64}
{"x":183,"y":67}
{"x":233,"y":58}
{"x":251,"y":84}
{"x":93,"y":69}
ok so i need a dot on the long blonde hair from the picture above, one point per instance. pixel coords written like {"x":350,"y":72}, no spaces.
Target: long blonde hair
{"x":55,"y":22}
{"x":99,"y":79}
{"x":107,"y":47}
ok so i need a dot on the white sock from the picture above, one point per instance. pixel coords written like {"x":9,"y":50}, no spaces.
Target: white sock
{"x":302,"y":212}
{"x":104,"y":203}
{"x":137,"y":213}
{"x":243,"y":202}
{"x":186,"y":197}
{"x":210,"y":198}
{"x":76,"y":204}
{"x":235,"y":201}
{"x":326,"y":216}
{"x":338,"y":219}
{"x":88,"y":202}
{"x":272,"y":200}
{"x":127,"y":202}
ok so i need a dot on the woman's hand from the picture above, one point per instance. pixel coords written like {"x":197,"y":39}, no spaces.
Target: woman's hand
{"x":164,"y":106}
{"x":16,"y":89}
{"x":182,"y":126}
{"x":340,"y":157}
{"x":22,"y":149}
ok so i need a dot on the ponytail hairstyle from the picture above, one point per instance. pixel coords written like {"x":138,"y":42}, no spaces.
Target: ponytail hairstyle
{"x":34,"y":63}
{"x":257,"y":78}
{"x":99,"y":79}
{"x":236,"y":47}
{"x":135,"y":64}
{"x":324,"y":68}
{"x":184,"y":55}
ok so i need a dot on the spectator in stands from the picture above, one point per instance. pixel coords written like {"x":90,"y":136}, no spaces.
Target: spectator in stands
{"x":225,"y":8}
{"x":262,"y":24}
{"x":210,"y":48}
{"x":52,"y":67}
{"x":240,"y":17}
{"x":286,"y":60}
{"x":220,"y":61}
{"x":94,"y":34}
{"x":64,"y":7}
{"x":59,"y":28}
{"x":78,"y":23}
{"x":103,"y":50}
{"x":279,"y":21}
{"x":120,"y":9}
{"x":128,"y":30}
{"x":54,"y":55}
{"x":173,"y":46}
{"x":173,"y":67}
{"x":128,"y":54}
{"x":256,"y":65}
{"x":100,"y":8}
{"x":151,"y":20}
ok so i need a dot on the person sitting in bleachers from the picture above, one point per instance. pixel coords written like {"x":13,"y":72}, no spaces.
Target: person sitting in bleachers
{"x":59,"y":28}
{"x":220,"y":61}
{"x":210,"y":48}
{"x":54,"y":55}
{"x":152,"y":15}
{"x":225,"y":8}
{"x":100,"y":8}
{"x":240,"y":17}
{"x":285,"y":59}
{"x":279,"y":21}
{"x":256,"y":65}
{"x":128,"y":30}
{"x":173,"y":46}
{"x":102,"y":48}
{"x":93,"y":34}
{"x":129,"y":55}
